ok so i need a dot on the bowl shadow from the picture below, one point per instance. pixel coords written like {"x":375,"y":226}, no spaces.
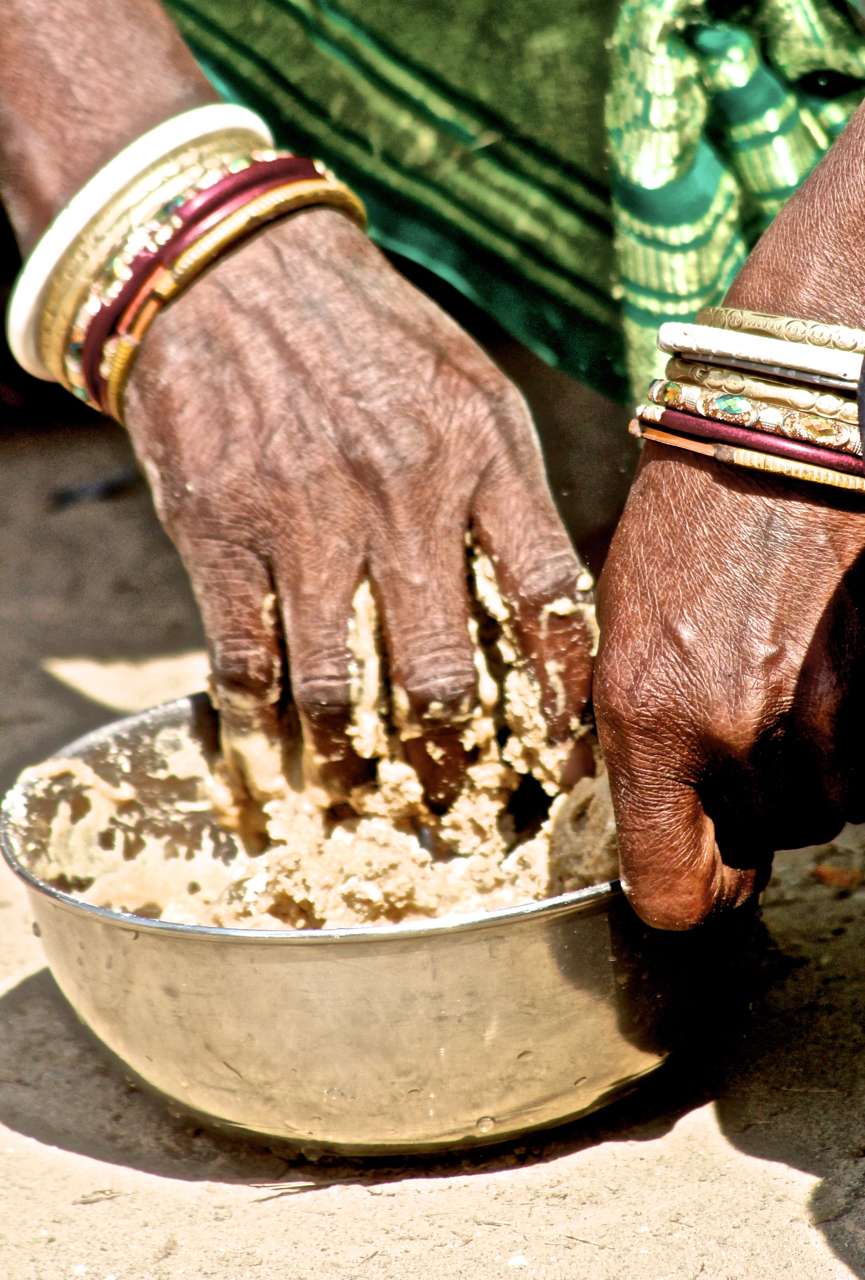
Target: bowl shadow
{"x":776,"y":1041}
{"x":783,"y":1068}
{"x":73,"y":1097}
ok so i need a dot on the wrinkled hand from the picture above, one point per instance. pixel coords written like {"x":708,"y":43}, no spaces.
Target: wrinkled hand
{"x":307,"y":419}
{"x":729,"y":689}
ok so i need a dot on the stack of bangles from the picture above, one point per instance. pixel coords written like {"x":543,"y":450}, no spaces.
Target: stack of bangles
{"x":766,"y":392}
{"x":141,"y":231}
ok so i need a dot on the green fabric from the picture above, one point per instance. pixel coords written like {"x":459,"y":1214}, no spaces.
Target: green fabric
{"x":713,"y":125}
{"x":476,"y":134}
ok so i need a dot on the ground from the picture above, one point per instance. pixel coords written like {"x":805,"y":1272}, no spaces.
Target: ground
{"x":744,"y":1160}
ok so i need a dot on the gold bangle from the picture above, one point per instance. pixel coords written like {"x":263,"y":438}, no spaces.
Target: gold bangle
{"x":748,"y":411}
{"x":125,"y":352}
{"x":211,"y":246}
{"x":147,"y":235}
{"x":134,"y":205}
{"x":754,"y":461}
{"x":787,"y":395}
{"x":817,"y":333}
{"x":278,"y":202}
{"x":96,"y":247}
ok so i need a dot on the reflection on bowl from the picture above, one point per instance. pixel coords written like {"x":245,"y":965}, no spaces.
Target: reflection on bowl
{"x":375,"y":1039}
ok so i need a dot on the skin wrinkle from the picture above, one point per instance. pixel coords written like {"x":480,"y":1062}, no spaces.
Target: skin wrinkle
{"x":263,"y":347}
{"x":238,"y":662}
{"x":714,"y":608}
{"x":503,"y":519}
{"x":54,"y":131}
{"x":303,"y":413}
{"x":429,"y":646}
{"x":547,"y":576}
{"x":329,"y":313}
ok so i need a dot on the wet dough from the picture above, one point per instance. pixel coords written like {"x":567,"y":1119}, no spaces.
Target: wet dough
{"x":510,"y":837}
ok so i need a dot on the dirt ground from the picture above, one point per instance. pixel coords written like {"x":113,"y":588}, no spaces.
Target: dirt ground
{"x":745,"y":1160}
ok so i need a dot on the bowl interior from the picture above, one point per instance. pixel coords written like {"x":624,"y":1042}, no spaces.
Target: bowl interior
{"x":58,"y":849}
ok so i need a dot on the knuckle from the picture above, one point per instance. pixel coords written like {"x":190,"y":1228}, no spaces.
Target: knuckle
{"x":663,"y":907}
{"x":244,"y":673}
{"x":511,"y":401}
{"x":384,"y":451}
{"x":737,"y":721}
{"x":440,"y":678}
{"x":322,"y":684}
{"x":322,"y":699}
{"x":645,"y":695}
{"x":547,"y":576}
{"x":625,"y":711}
{"x":511,"y":409}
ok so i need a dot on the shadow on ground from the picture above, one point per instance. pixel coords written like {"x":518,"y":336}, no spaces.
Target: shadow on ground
{"x":93,"y":577}
{"x":56,"y":1086}
{"x":100,"y":579}
{"x":786,"y":1079}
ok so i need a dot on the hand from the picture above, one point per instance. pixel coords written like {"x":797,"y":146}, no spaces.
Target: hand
{"x":307,"y":419}
{"x":729,"y":687}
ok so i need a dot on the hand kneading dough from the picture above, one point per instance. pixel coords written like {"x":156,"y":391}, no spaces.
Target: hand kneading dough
{"x":383,"y":857}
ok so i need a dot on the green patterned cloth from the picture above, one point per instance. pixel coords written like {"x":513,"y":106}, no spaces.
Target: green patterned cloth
{"x":712,"y":126}
{"x":477,"y":134}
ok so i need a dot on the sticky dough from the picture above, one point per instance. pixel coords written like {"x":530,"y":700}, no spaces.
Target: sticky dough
{"x":383,"y":857}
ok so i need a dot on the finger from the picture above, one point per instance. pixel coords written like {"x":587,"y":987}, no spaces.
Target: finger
{"x":784,"y":794}
{"x":671,"y":866}
{"x":672,"y":869}
{"x":317,"y":593}
{"x":546,"y":588}
{"x":421,"y":586}
{"x":238,"y":609}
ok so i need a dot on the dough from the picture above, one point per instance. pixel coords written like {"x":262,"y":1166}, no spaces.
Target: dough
{"x":510,"y":837}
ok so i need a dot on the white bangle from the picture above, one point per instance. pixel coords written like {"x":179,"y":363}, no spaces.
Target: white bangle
{"x":820,"y":365}
{"x":25,"y":304}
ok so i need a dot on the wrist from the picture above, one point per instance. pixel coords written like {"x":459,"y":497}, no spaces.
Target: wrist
{"x":322,"y":242}
{"x":296,"y":269}
{"x":310,"y":249}
{"x":75,"y":89}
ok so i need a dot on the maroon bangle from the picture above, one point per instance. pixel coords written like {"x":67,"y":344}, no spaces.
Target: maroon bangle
{"x":286,"y":168}
{"x":196,"y":215}
{"x":760,"y":441}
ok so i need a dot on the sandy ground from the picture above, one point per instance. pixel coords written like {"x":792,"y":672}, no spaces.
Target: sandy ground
{"x":745,"y":1160}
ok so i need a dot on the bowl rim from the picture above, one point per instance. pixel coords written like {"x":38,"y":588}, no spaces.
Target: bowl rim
{"x":578,"y":901}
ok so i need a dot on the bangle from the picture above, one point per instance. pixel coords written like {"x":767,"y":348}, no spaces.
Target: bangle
{"x":169,"y":280}
{"x":114,"y":291}
{"x":137,"y":306}
{"x":753,"y":460}
{"x":135,"y":207}
{"x":795,"y":360}
{"x":814,"y":332}
{"x":746,"y":411}
{"x":726,"y":433}
{"x":788,"y":395}
{"x":26,"y":301}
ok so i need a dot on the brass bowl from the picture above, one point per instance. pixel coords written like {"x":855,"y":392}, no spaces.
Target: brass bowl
{"x":363,"y":1040}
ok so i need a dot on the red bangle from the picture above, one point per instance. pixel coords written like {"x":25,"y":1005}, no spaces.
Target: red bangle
{"x":196,"y":215}
{"x":763,"y":442}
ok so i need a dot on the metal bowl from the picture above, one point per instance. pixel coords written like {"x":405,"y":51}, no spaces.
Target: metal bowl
{"x":365,"y":1040}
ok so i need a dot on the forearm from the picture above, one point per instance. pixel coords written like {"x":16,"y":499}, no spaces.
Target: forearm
{"x":79,"y":79}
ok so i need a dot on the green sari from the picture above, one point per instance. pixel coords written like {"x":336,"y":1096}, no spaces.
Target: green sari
{"x":580,"y":171}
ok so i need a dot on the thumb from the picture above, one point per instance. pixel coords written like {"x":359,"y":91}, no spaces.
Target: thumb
{"x":671,"y":867}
